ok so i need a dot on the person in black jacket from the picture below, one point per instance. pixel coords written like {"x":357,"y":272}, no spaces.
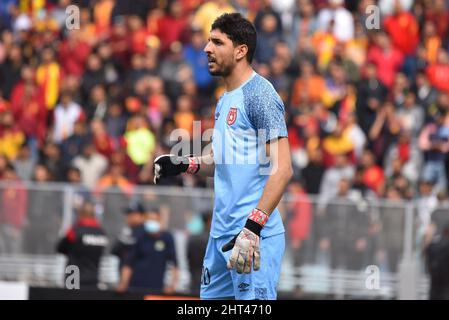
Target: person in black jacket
{"x":146,"y":264}
{"x":135,"y":217}
{"x":437,"y":260}
{"x":84,"y":244}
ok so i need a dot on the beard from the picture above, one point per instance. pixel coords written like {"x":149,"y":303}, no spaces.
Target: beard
{"x":221,"y":71}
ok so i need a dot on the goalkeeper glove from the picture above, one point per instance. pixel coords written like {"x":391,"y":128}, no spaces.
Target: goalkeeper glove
{"x":171,"y":165}
{"x":246,"y":245}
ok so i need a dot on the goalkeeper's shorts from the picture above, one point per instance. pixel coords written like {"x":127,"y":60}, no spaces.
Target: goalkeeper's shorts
{"x":217,"y":282}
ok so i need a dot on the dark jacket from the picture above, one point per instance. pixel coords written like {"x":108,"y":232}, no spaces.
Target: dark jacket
{"x":84,"y":244}
{"x":437,"y":258}
{"x":148,"y":258}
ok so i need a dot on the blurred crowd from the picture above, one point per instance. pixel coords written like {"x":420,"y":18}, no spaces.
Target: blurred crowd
{"x":366,"y":91}
{"x":103,"y":94}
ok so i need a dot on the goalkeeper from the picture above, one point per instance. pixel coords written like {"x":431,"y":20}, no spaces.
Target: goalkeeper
{"x":246,"y":244}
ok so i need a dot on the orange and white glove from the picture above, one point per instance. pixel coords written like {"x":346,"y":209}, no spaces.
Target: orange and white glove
{"x":245,"y":246}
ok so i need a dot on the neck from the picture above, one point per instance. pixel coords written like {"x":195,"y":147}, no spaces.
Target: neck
{"x":237,"y":77}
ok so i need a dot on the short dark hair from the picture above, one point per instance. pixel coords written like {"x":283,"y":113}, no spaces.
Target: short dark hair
{"x":239,"y":30}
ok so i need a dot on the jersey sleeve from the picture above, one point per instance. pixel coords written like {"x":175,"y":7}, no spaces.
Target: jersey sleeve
{"x":265,"y":110}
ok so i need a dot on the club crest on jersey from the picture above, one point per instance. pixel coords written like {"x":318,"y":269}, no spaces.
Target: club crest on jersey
{"x":232,"y":116}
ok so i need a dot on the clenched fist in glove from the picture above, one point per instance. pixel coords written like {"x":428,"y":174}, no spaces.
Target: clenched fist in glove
{"x":171,"y":165}
{"x":246,"y":245}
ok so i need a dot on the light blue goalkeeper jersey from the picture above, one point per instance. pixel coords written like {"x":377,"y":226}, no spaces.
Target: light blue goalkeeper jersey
{"x":245,"y":119}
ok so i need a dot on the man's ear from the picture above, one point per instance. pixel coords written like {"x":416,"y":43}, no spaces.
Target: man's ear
{"x":241,"y":52}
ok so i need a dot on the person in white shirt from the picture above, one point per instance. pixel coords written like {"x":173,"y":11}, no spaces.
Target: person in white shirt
{"x":340,"y":18}
{"x":67,"y":112}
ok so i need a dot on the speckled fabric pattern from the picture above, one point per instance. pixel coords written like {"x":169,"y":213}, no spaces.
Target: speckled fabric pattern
{"x":265,"y":108}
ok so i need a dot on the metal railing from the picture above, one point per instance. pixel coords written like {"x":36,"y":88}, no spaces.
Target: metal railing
{"x":351,"y":247}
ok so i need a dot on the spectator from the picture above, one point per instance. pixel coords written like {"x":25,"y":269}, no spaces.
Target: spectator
{"x":110,"y":63}
{"x":437,"y":14}
{"x":411,"y":115}
{"x":355,"y":134}
{"x":135,"y":217}
{"x":391,"y":236}
{"x":101,"y":139}
{"x":437,"y":261}
{"x":29,"y":109}
{"x":313,"y":172}
{"x":174,"y":70}
{"x":146,"y":265}
{"x":268,"y":36}
{"x":304,"y":22}
{"x":73,"y":145}
{"x":346,"y":230}
{"x":406,"y":155}
{"x":335,"y":144}
{"x":91,"y":164}
{"x":194,"y":55}
{"x":115,"y":122}
{"x":434,"y":143}
{"x":11,"y":137}
{"x":45,"y":207}
{"x":171,"y":26}
{"x":208,"y":12}
{"x":373,"y":176}
{"x":196,"y":248}
{"x":437,"y":72}
{"x":332,"y":176}
{"x":340,"y":18}
{"x":84,"y":244}
{"x":4,"y":163}
{"x":308,"y":87}
{"x":102,"y":11}
{"x":383,"y":131}
{"x":24,"y":163}
{"x":94,"y":75}
{"x":370,"y":93}
{"x":10,"y":70}
{"x":112,"y":180}
{"x":184,"y":116}
{"x":66,"y":113}
{"x":300,"y":224}
{"x":13,"y":213}
{"x":426,"y":95}
{"x":48,"y":76}
{"x":53,"y":161}
{"x":387,"y":58}
{"x":138,"y":37}
{"x":73,"y":64}
{"x":403,"y":30}
{"x":335,"y":85}
{"x":279,"y":78}
{"x":81,"y":193}
{"x":140,"y":140}
{"x":431,"y":41}
{"x":97,"y":104}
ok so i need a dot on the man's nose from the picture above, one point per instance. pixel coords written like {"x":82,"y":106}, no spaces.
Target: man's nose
{"x":207,"y":48}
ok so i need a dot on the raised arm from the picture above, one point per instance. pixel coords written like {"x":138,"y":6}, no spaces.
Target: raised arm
{"x":172,"y":165}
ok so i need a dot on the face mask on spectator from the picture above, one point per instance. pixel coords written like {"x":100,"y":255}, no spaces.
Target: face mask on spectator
{"x":195,"y":225}
{"x":152,"y":226}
